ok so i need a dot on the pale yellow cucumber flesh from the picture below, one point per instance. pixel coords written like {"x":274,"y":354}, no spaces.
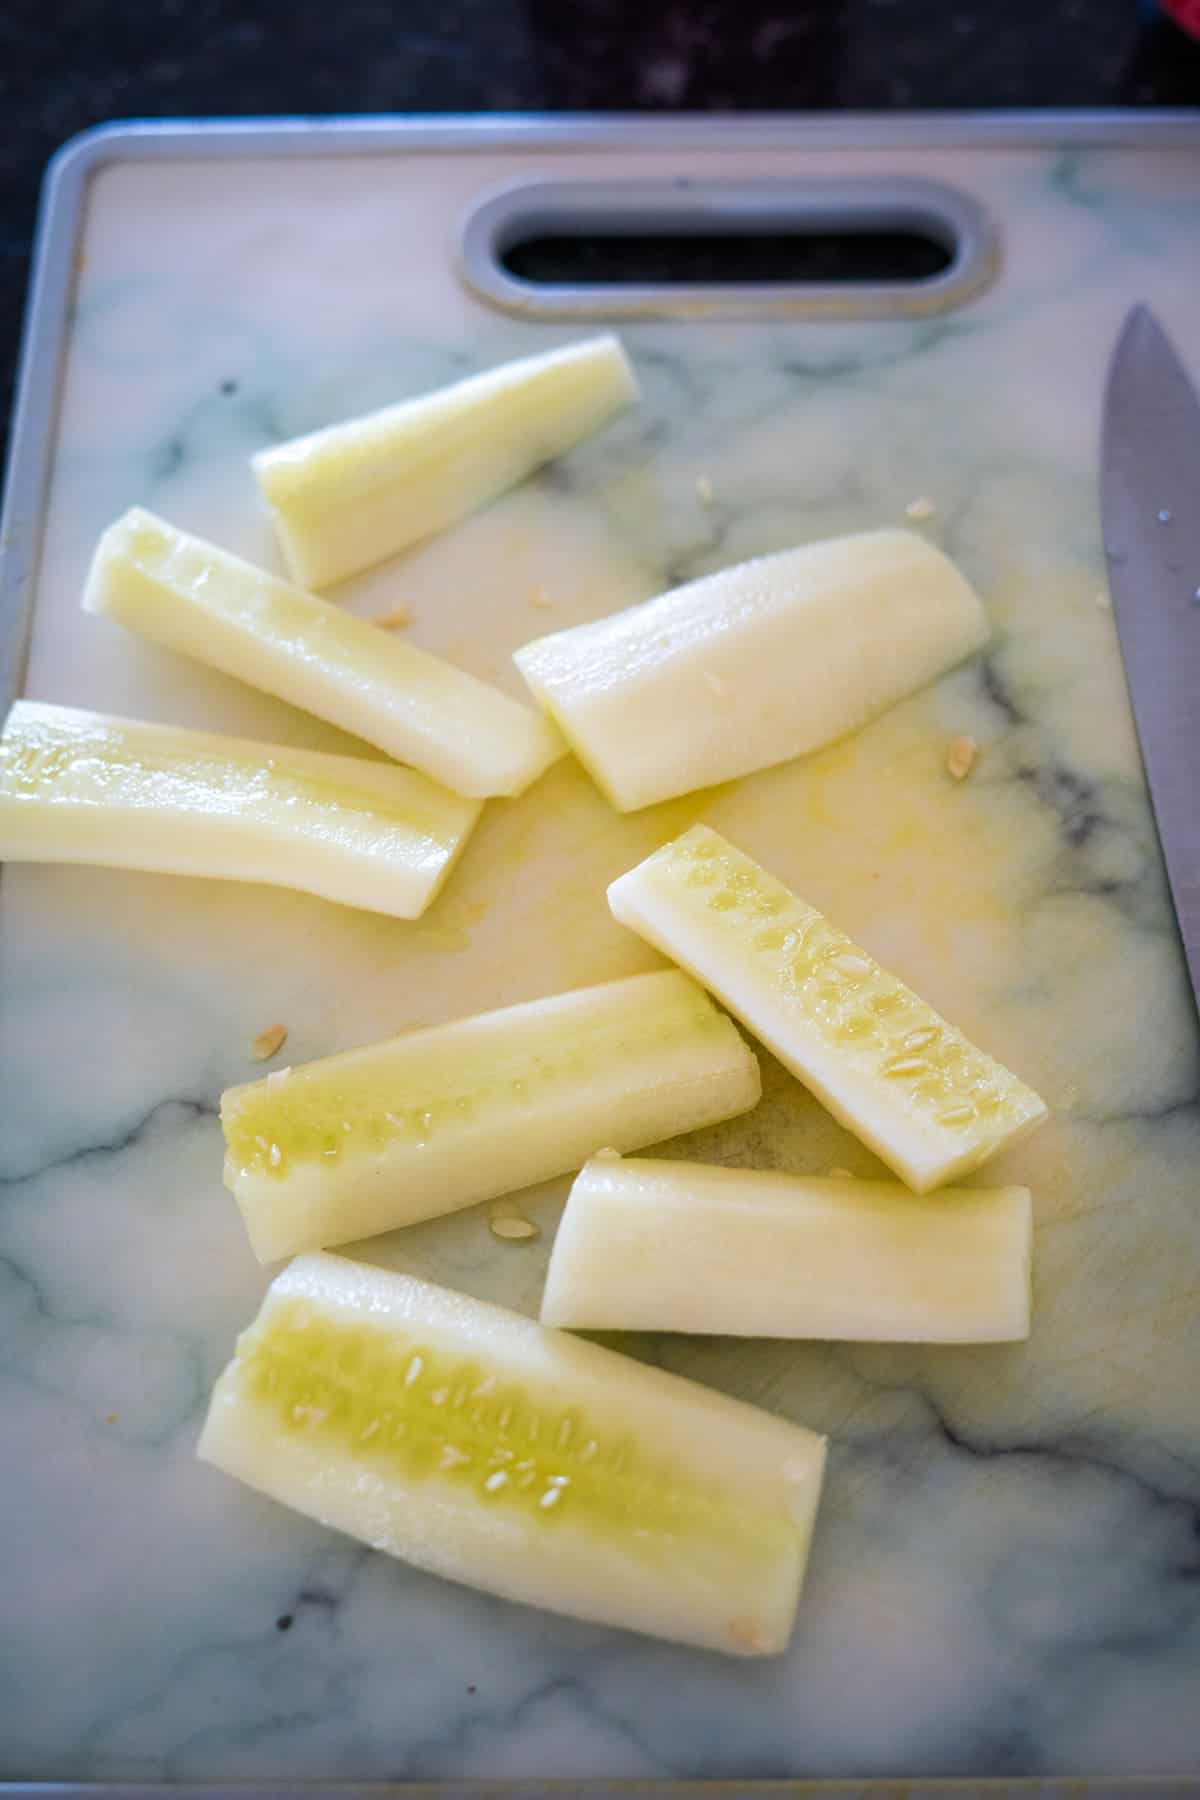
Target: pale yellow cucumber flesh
{"x":441,"y":1118}
{"x":893,"y":1071}
{"x":755,"y":664}
{"x":355,"y":493}
{"x":483,"y":1447}
{"x":676,"y":1246}
{"x":84,"y":787}
{"x":192,"y":597}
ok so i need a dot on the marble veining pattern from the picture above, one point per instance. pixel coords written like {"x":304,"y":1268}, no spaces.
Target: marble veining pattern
{"x":1006,"y":1577}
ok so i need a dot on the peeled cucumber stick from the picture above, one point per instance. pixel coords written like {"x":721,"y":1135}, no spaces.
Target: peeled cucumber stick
{"x":190,"y":596}
{"x":755,"y":664}
{"x":478,"y":1445}
{"x":677,"y":1246}
{"x":443,"y":1117}
{"x":81,"y":787}
{"x":350,"y":495}
{"x":887,"y":1066}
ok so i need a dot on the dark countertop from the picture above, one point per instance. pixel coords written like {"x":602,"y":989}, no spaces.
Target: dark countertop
{"x":68,"y":64}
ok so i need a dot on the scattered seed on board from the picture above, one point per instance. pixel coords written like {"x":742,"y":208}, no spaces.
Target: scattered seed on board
{"x":839,"y":1174}
{"x":268,"y":1043}
{"x":920,"y":508}
{"x":541,"y":599}
{"x":961,"y":755}
{"x":705,"y":490}
{"x":398,"y":617}
{"x":514,"y":1230}
{"x":1103,"y":602}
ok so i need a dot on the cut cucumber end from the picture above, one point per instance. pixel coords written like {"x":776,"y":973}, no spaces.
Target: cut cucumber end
{"x":442,"y":1118}
{"x":482,"y":1447}
{"x":672,"y":1246}
{"x":622,"y":796}
{"x":911,"y":1086}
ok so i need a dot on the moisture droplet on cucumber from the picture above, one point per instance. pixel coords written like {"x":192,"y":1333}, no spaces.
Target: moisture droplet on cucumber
{"x":481,"y":1446}
{"x":350,"y":495}
{"x":887,"y":1066}
{"x":190,"y":596}
{"x":676,"y":1246}
{"x":755,"y":664}
{"x":441,"y":1118}
{"x":81,"y":787}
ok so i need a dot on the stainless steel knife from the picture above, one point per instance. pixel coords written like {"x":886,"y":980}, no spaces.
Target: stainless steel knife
{"x":1150,"y":490}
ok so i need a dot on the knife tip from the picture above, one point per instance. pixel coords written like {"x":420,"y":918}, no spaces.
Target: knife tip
{"x":1138,"y":318}
{"x":1143,"y":338}
{"x":1139,"y":333}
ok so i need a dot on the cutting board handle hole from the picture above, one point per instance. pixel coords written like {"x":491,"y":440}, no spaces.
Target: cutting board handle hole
{"x":829,"y":249}
{"x":855,"y":254}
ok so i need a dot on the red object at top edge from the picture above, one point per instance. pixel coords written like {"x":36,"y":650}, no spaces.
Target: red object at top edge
{"x":1185,"y":13}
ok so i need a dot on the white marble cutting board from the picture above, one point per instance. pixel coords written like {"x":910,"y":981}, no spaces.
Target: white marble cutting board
{"x":1006,"y":1576}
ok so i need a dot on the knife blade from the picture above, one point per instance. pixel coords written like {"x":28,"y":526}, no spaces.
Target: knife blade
{"x":1150,"y":496}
